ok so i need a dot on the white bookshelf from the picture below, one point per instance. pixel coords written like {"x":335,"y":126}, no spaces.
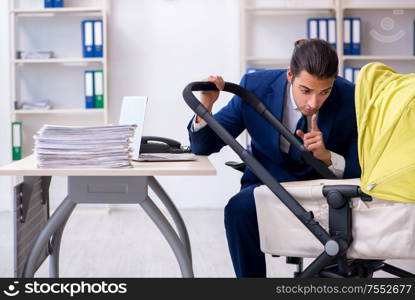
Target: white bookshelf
{"x":62,"y":10}
{"x":257,"y":10}
{"x":381,"y":5}
{"x":277,"y":24}
{"x":59,"y":61}
{"x":270,"y":59}
{"x":379,"y":57}
{"x":29,"y":77}
{"x":59,"y":111}
{"x":252,"y":11}
{"x":288,"y":9}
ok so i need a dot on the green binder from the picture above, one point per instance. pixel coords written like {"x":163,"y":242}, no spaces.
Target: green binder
{"x":17,"y":140}
{"x":98,"y":89}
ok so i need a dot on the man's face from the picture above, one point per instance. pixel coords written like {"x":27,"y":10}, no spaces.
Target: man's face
{"x":309,"y":92}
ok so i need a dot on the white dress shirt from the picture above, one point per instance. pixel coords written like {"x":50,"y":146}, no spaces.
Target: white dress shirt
{"x":291,"y":115}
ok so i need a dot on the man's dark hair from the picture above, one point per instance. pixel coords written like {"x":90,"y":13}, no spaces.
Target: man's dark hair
{"x":315,"y":56}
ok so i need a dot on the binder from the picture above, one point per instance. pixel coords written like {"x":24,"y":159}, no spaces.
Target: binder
{"x":98,"y":89}
{"x":347,"y":35}
{"x":48,"y":3}
{"x":89,"y":89}
{"x":332,"y":32}
{"x":356,"y":36}
{"x":322,"y":29}
{"x":88,"y":38}
{"x":348,"y":73}
{"x":355,"y":74}
{"x":98,"y":38}
{"x":17,"y":140}
{"x":312,"y":28}
{"x":58,"y":3}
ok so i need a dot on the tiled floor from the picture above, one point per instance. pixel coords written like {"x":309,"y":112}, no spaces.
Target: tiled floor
{"x":128,"y":244}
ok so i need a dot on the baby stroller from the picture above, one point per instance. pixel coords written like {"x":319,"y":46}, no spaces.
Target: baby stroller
{"x":332,"y":241}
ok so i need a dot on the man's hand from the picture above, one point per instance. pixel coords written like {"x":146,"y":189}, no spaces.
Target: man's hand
{"x":313,"y":141}
{"x":207,"y":98}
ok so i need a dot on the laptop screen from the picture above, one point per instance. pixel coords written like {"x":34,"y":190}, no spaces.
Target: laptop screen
{"x":133,"y":111}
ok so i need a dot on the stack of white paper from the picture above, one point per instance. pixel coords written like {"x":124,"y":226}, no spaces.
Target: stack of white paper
{"x":84,"y":147}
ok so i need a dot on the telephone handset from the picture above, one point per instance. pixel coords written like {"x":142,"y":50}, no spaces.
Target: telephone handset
{"x":156,"y":144}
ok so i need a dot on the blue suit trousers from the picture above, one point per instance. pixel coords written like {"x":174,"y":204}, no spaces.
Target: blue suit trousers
{"x":243,"y":236}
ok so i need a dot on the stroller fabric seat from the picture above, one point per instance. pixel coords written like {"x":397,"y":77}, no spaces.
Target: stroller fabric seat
{"x":381,"y":228}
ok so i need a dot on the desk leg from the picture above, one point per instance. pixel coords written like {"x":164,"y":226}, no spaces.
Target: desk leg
{"x":170,"y":235}
{"x":55,"y":223}
{"x":55,"y":249}
{"x":174,"y":213}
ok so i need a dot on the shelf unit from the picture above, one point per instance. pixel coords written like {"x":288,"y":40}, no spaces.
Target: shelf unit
{"x":379,"y":57}
{"x":259,"y":16}
{"x":398,"y":54}
{"x":251,"y":9}
{"x":60,"y":10}
{"x":58,"y":111}
{"x":58,"y":60}
{"x":66,"y":69}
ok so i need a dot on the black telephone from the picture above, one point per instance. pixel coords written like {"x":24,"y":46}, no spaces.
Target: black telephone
{"x":156,"y":144}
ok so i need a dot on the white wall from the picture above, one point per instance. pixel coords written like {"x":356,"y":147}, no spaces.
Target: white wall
{"x":5,"y":151}
{"x":156,"y":47}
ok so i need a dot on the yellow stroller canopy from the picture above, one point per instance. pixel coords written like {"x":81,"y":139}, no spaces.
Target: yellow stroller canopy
{"x":385,"y":108}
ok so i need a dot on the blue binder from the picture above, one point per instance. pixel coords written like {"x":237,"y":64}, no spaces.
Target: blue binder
{"x":355,"y":74}
{"x":347,"y":36}
{"x":356,"y":40}
{"x":332,"y":32}
{"x":323,"y":29}
{"x":348,"y":73}
{"x":98,"y":38}
{"x":89,"y":89}
{"x":49,"y":3}
{"x":58,"y":3}
{"x":312,"y":28}
{"x":88,"y":38}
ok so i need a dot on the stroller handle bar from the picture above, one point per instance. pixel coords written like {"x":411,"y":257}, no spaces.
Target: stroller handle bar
{"x":261,"y":109}
{"x":307,"y":218}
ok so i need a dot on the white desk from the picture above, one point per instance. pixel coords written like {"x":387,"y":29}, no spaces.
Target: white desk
{"x":37,"y":236}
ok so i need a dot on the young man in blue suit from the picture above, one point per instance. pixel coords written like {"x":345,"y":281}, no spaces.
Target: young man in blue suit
{"x":312,"y":102}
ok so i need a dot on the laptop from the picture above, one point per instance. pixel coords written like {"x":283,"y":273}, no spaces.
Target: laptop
{"x":133,"y":111}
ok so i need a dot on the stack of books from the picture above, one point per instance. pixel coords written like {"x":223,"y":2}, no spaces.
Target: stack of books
{"x":37,"y":54}
{"x":35,"y":105}
{"x":84,"y":147}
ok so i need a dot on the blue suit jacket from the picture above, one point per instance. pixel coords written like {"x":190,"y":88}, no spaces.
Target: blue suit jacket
{"x":336,"y":120}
